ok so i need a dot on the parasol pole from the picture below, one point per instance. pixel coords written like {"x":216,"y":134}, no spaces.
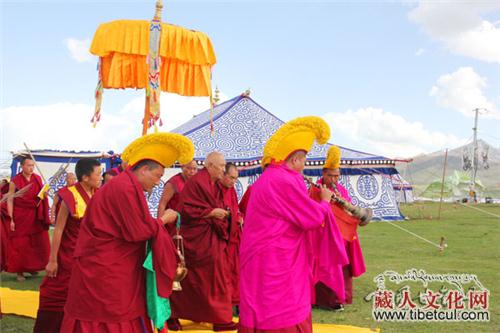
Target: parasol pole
{"x":153,"y":89}
{"x":36,"y":164}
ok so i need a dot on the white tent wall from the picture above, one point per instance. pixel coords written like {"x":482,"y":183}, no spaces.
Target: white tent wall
{"x":49,"y":163}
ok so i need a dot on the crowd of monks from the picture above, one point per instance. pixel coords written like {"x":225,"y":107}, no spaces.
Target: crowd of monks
{"x":267,"y":259}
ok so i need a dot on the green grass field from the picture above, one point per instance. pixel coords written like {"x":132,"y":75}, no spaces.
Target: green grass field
{"x":473,"y":240}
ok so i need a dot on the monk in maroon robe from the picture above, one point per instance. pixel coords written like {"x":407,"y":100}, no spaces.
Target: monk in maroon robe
{"x":233,"y":249}
{"x":244,"y":201}
{"x":170,"y":197}
{"x":4,"y":225}
{"x":70,"y":180}
{"x":206,"y":290}
{"x":29,"y":244}
{"x":54,"y":288}
{"x":107,"y":286}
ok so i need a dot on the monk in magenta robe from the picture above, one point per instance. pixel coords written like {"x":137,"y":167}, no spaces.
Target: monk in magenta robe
{"x":289,"y":243}
{"x":29,"y":244}
{"x":326,"y":298}
{"x":233,"y":249}
{"x":206,"y":290}
{"x":170,"y":197}
{"x":73,"y":202}
{"x":107,"y":285}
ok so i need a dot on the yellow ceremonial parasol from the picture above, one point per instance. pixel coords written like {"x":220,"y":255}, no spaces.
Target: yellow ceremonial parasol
{"x":152,"y":55}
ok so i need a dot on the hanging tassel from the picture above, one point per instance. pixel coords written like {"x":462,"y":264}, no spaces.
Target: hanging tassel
{"x":98,"y":96}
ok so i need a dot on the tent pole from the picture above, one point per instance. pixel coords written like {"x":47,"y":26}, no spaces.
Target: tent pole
{"x":442,"y":183}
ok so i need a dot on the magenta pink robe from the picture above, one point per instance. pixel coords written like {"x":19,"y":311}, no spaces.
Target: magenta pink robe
{"x":289,"y":242}
{"x":353,"y":248}
{"x":327,"y":298}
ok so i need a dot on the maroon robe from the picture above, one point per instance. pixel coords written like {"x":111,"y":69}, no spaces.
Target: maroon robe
{"x":244,"y":201}
{"x":206,"y":290}
{"x":233,"y":247}
{"x":4,"y":233}
{"x":54,"y":291}
{"x":29,"y":245}
{"x":107,"y":286}
{"x":178,"y":182}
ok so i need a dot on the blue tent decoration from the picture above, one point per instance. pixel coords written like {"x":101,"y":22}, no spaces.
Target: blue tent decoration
{"x":242,"y":128}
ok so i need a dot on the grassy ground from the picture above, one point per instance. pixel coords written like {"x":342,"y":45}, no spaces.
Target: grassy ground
{"x":472,"y":239}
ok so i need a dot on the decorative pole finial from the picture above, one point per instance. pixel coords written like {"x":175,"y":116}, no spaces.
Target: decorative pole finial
{"x":159,"y":7}
{"x":247,"y":92}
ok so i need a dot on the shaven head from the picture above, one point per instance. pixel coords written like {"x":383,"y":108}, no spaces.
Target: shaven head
{"x":297,"y":160}
{"x":70,"y":179}
{"x":331,"y":176}
{"x":215,"y":164}
{"x":189,"y":169}
{"x":148,"y":173}
{"x":230,"y":175}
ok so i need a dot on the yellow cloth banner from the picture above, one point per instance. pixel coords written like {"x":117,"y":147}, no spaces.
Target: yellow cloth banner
{"x":25,"y":303}
{"x":19,"y":302}
{"x":43,"y":191}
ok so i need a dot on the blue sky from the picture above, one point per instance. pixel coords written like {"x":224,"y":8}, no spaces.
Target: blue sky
{"x":392,"y":78}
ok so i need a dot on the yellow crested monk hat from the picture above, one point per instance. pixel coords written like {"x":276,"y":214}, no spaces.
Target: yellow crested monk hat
{"x":297,"y":134}
{"x":332,"y":158}
{"x":163,"y":148}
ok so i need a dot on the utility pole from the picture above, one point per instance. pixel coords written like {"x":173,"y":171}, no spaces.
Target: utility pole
{"x":474,"y":154}
{"x":475,"y":160}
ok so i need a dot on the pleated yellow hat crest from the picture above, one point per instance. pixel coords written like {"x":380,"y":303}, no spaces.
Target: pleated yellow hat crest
{"x":163,"y":148}
{"x":332,"y":158}
{"x":297,"y":134}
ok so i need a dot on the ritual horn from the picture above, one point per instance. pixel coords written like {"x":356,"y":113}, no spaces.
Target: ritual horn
{"x":364,"y":215}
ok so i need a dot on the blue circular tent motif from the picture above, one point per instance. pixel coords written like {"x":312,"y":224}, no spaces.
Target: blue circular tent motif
{"x":239,"y":189}
{"x":367,"y":187}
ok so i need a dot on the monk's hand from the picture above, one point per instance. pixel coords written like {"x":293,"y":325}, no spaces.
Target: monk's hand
{"x":51,"y":269}
{"x":169,"y":216}
{"x":12,"y":226}
{"x":326,"y":194}
{"x":219,"y":213}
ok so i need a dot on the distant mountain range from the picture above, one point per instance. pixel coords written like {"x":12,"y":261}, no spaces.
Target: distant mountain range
{"x":424,"y":169}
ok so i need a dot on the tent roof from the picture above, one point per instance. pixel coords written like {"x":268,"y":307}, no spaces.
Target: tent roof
{"x":242,"y":128}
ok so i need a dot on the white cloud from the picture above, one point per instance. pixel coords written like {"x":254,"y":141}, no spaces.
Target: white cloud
{"x":67,"y":126}
{"x":419,"y":52}
{"x":462,"y":91}
{"x":461,"y":27}
{"x":387,"y":133}
{"x":79,"y":49}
